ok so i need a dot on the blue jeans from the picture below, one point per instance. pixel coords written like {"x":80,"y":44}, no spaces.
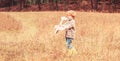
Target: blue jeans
{"x":68,"y":42}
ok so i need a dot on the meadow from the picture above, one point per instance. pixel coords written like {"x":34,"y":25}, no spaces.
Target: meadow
{"x":29,"y":36}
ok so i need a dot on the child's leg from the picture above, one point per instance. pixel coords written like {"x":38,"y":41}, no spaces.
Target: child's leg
{"x":68,"y":42}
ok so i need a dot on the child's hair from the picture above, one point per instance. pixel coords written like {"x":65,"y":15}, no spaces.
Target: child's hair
{"x":71,"y":13}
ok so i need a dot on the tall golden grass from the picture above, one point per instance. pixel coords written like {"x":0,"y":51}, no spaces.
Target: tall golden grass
{"x":97,"y":37}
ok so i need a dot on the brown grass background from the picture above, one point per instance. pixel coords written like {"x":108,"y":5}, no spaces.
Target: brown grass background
{"x":29,"y":36}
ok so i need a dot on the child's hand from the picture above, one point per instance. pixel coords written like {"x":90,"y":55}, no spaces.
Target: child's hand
{"x":56,"y":29}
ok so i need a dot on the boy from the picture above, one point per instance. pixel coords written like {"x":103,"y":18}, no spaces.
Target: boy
{"x":69,"y":27}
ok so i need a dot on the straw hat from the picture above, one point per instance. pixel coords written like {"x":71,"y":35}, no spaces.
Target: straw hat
{"x":71,"y":13}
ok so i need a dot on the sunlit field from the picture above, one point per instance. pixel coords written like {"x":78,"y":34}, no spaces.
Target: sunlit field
{"x":29,"y":36}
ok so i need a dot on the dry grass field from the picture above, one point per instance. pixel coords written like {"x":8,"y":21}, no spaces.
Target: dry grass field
{"x":29,"y":36}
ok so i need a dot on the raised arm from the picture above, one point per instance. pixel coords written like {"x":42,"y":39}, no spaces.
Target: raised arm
{"x":69,"y":24}
{"x":60,"y":26}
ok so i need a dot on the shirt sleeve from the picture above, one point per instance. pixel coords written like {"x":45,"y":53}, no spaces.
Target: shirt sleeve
{"x":69,"y":24}
{"x":60,"y":27}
